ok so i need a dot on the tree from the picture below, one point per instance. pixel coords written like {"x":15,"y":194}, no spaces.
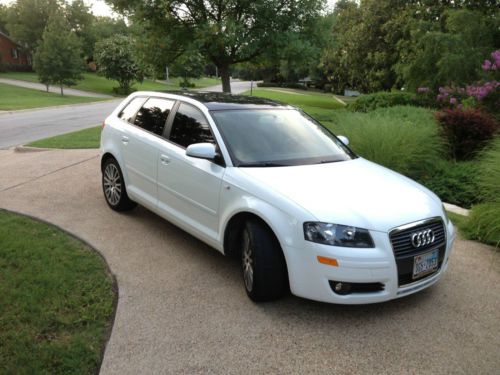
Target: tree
{"x":226,"y":32}
{"x":190,"y":65}
{"x":3,"y":18}
{"x":360,"y":55}
{"x":106,"y":27}
{"x":116,"y":60}
{"x":27,"y":20}
{"x":450,"y":54}
{"x":57,"y":59}
{"x":81,"y":20}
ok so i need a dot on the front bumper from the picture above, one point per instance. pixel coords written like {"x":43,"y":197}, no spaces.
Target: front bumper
{"x":311,"y":279}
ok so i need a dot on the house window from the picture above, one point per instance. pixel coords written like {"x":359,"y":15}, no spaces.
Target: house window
{"x":14,"y":53}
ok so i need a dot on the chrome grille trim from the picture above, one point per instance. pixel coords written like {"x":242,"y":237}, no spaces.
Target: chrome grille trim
{"x":401,"y":241}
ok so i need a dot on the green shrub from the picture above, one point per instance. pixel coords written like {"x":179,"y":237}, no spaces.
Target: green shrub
{"x":484,"y":220}
{"x":467,"y":131}
{"x":366,"y":103}
{"x":288,"y":85}
{"x":489,"y":172}
{"x":454,"y":182}
{"x":483,"y":224}
{"x":402,"y":138}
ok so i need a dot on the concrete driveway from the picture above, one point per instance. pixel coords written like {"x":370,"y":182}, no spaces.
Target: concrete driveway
{"x":182,"y":308}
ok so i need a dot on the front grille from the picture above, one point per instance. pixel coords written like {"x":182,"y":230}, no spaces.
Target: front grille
{"x":404,"y":251}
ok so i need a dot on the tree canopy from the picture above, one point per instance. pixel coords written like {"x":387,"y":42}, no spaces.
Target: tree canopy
{"x":58,"y":56}
{"x":384,"y":44}
{"x":226,"y":32}
{"x":117,"y":60}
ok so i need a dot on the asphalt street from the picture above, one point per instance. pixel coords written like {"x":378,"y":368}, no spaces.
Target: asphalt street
{"x":21,"y":127}
{"x":182,"y":308}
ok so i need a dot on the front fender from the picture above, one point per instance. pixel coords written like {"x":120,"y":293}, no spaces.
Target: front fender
{"x":287,"y":227}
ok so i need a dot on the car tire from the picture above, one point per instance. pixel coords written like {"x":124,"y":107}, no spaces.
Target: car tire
{"x":264,"y":270}
{"x":113,"y":187}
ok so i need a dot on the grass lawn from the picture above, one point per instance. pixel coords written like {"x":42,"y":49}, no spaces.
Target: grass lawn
{"x":56,"y":300}
{"x":13,"y":97}
{"x":317,"y":104}
{"x":96,"y":83}
{"x":86,"y":138}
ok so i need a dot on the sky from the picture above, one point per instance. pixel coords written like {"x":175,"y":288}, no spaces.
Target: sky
{"x":100,"y":8}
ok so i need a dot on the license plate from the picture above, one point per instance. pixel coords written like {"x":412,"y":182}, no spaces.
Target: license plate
{"x":425,"y":263}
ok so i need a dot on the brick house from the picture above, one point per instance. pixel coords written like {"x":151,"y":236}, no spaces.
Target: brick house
{"x":12,"y":55}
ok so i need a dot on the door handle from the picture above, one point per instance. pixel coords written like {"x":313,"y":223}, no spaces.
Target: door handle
{"x":125,"y":139}
{"x":164,"y":159}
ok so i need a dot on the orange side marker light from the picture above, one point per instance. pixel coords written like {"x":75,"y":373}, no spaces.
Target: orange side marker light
{"x":328,"y":261}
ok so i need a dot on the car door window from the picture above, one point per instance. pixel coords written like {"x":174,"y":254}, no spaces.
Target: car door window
{"x":190,"y":126}
{"x":153,"y":115}
{"x":128,"y":113}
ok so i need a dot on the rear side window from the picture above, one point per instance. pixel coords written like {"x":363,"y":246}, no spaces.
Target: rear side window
{"x":128,"y":113}
{"x":153,"y":115}
{"x":190,"y":126}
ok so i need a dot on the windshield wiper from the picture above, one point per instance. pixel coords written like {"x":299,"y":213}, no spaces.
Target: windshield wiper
{"x":263,"y":164}
{"x":330,"y":161}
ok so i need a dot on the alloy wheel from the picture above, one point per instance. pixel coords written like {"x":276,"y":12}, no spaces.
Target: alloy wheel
{"x":247,"y":261}
{"x":112,"y":184}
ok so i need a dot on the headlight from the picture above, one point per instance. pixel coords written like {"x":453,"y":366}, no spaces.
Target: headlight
{"x":337,"y":235}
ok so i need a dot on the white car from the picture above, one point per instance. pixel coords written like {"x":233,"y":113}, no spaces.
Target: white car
{"x":263,"y":181}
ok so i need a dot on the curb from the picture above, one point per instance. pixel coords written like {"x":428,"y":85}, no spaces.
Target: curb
{"x":24,"y":149}
{"x":456,"y":209}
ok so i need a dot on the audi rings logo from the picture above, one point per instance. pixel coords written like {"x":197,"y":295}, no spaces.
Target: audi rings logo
{"x":422,"y":238}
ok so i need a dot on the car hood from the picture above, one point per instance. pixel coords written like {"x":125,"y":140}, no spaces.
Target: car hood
{"x":355,"y":192}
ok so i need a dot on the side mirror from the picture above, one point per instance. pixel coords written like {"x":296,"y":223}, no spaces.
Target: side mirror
{"x":343,"y":139}
{"x":202,"y":151}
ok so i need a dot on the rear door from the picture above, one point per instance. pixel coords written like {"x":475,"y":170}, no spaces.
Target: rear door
{"x":140,"y":149}
{"x":189,"y":188}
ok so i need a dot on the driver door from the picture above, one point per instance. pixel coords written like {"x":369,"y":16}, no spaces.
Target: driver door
{"x":189,"y":188}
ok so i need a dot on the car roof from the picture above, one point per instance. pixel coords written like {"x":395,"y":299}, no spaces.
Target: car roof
{"x":216,"y":101}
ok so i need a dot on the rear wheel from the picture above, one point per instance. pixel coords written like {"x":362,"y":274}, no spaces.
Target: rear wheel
{"x":263,"y":265}
{"x":113,"y":187}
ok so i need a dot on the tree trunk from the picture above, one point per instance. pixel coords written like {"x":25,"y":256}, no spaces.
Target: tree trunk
{"x":225,"y":77}
{"x":47,"y":87}
{"x":62,"y":92}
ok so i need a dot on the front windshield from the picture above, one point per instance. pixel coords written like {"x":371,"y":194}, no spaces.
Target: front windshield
{"x":277,"y":137}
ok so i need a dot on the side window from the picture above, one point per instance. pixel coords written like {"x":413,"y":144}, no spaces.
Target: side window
{"x":190,"y":126}
{"x":153,"y":115}
{"x":127,"y":113}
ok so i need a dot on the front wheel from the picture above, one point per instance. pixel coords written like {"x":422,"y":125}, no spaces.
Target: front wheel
{"x":113,"y":187}
{"x":263,"y":264}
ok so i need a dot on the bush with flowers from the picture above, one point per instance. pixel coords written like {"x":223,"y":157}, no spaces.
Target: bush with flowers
{"x":469,"y":115}
{"x":484,"y":95}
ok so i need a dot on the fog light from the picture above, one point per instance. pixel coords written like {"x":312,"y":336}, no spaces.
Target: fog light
{"x":342,"y":288}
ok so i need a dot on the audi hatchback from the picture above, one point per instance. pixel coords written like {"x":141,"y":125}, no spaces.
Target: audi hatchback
{"x":264,"y":182}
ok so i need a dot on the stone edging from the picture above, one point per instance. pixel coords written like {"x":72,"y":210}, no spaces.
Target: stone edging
{"x":456,"y":209}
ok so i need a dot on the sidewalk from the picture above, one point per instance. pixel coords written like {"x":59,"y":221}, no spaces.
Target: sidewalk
{"x":53,"y":89}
